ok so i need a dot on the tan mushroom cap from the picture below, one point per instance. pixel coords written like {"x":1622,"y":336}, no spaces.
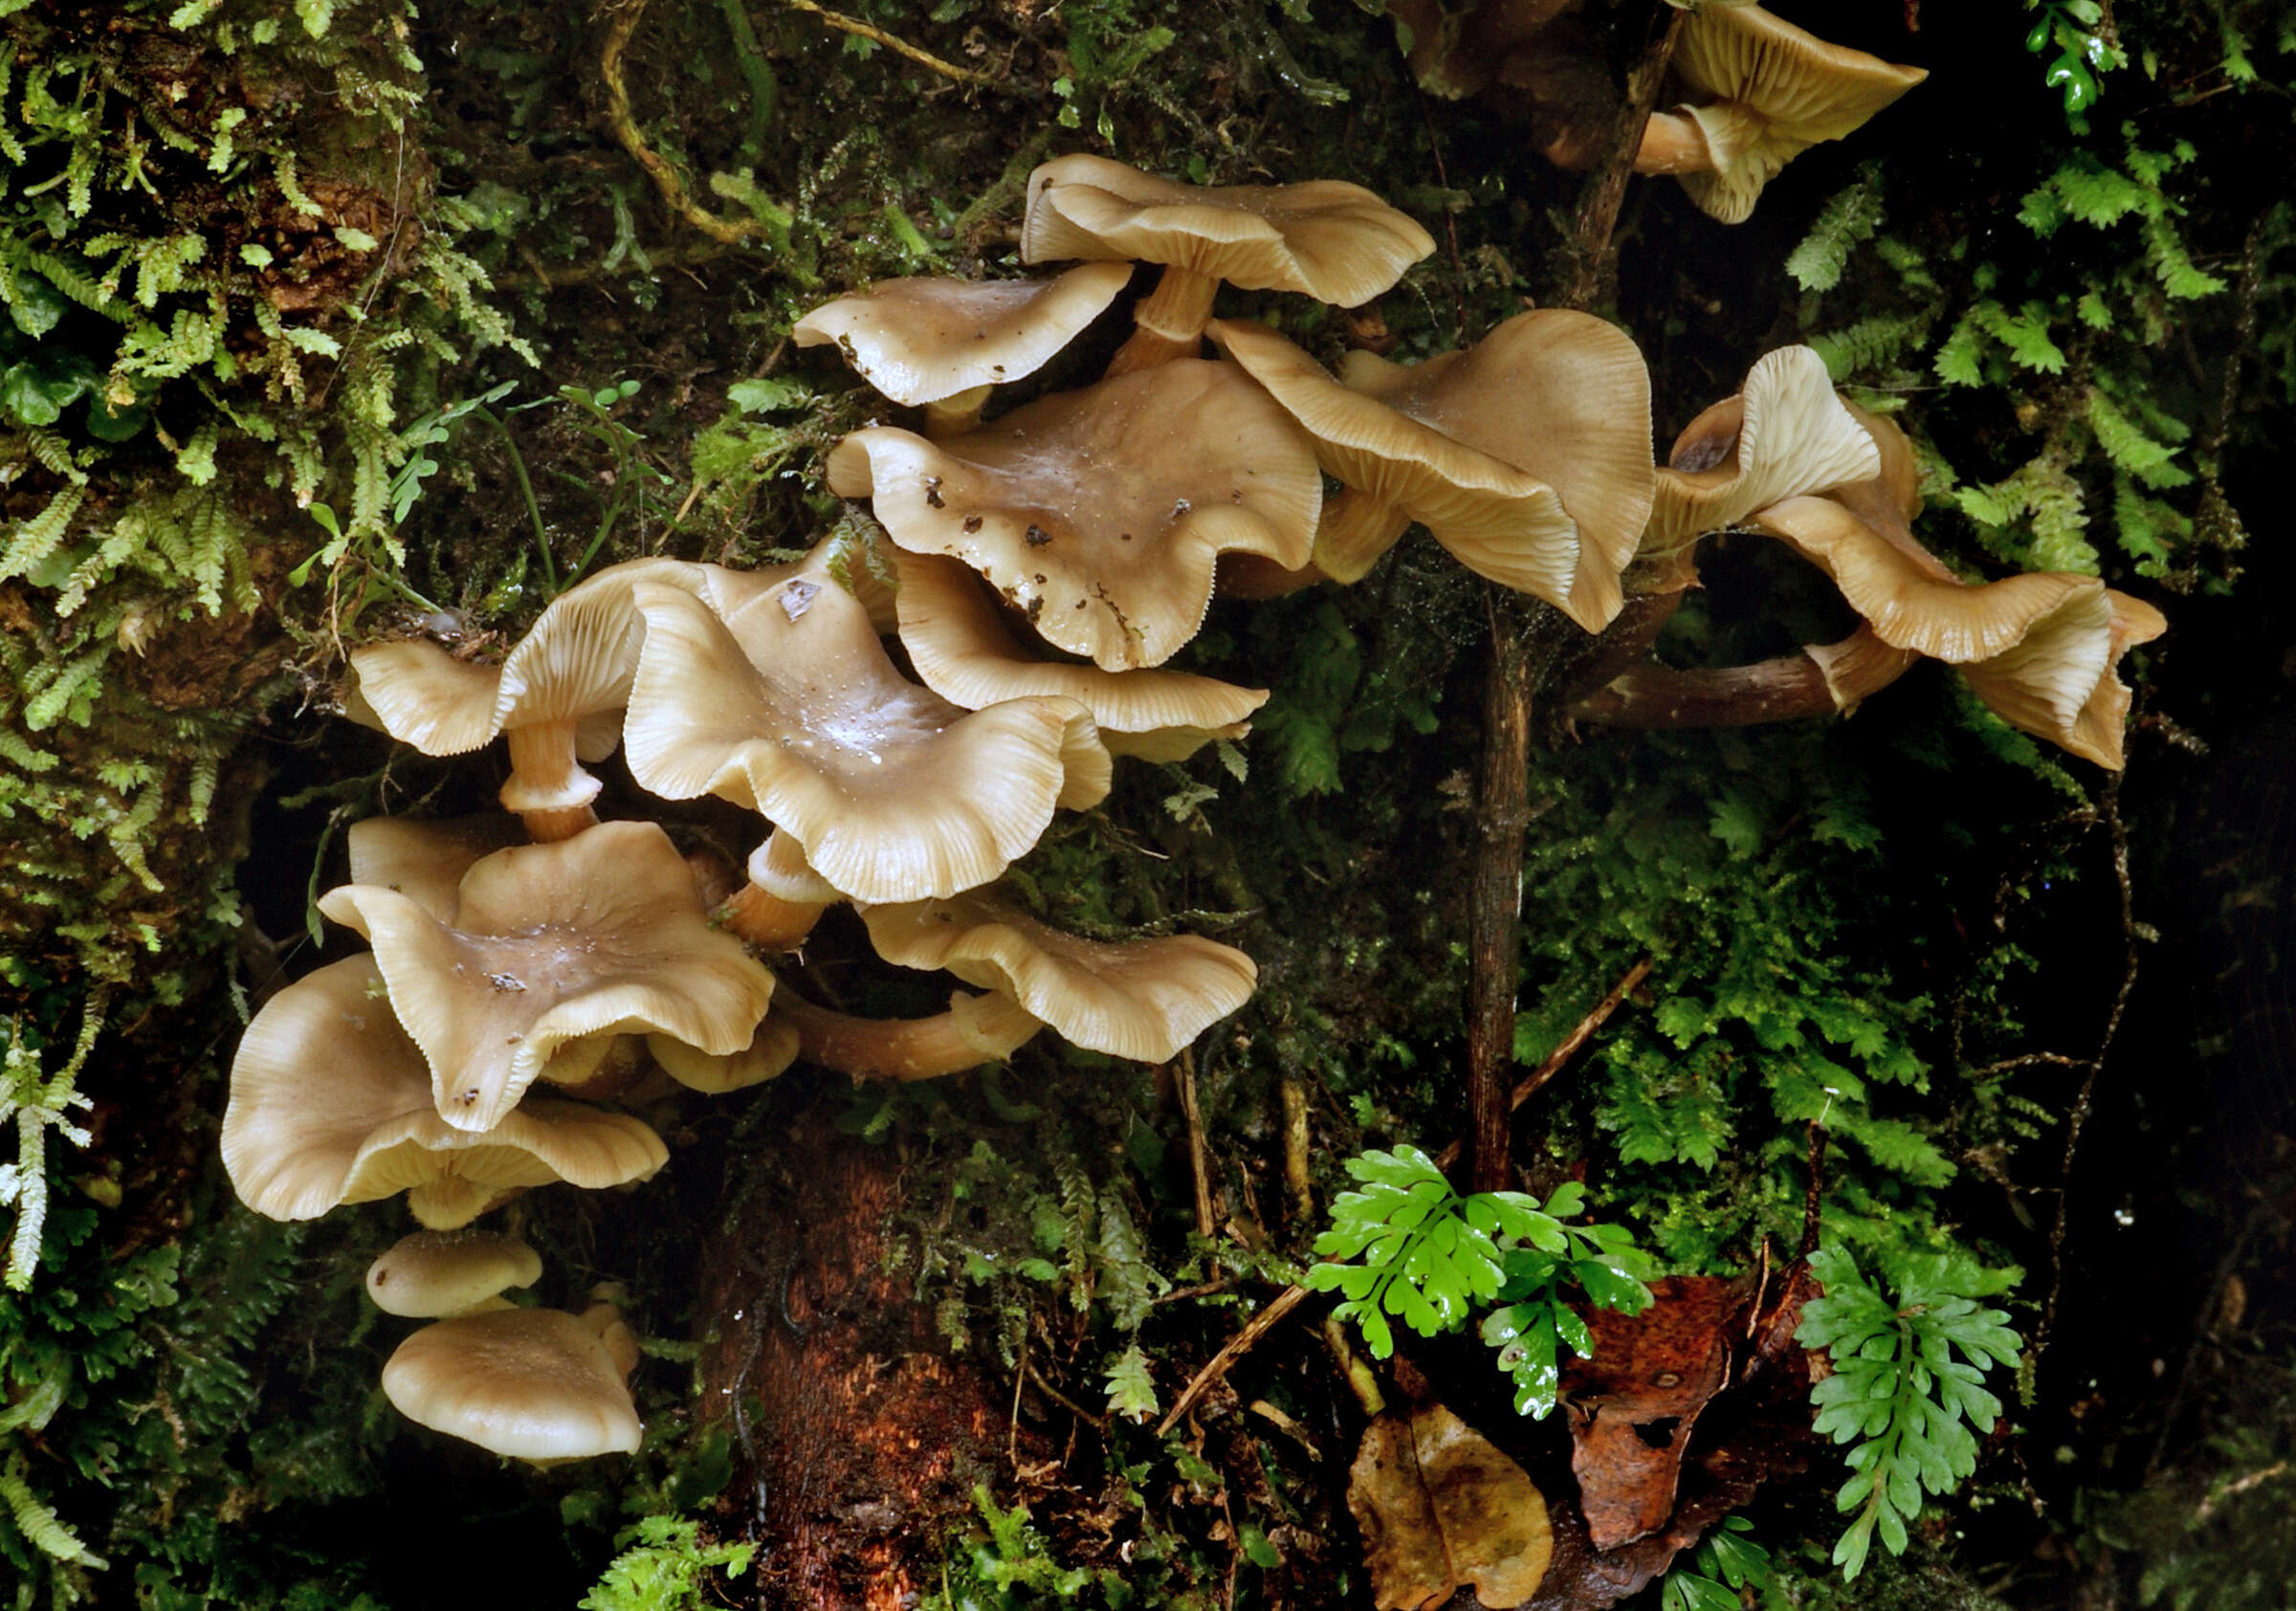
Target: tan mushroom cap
{"x":571,"y":670}
{"x":531,"y":1383}
{"x":424,"y":859}
{"x":597,"y":935}
{"x":1768,"y":92}
{"x":1101,"y":514}
{"x":1141,"y":998}
{"x":963,"y":648}
{"x":791,"y":709}
{"x":331,"y":1103}
{"x":1441,"y":458}
{"x":769,"y":1053}
{"x":1785,"y":433}
{"x":1911,"y":605}
{"x":1334,"y":241}
{"x":2062,"y":682}
{"x":435,"y":1272}
{"x":922,"y":340}
{"x":1563,"y":395}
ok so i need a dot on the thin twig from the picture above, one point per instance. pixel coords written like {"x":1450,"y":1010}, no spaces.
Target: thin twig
{"x":1239,"y":1345}
{"x":1527,"y":1086}
{"x":891,"y":42}
{"x":2031,"y":1059}
{"x":2108,"y":812}
{"x":658,"y":167}
{"x":1198,"y":1169}
{"x":1063,"y":1400}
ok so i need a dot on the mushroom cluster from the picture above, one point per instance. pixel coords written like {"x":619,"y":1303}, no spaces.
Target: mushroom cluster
{"x":531,"y":975}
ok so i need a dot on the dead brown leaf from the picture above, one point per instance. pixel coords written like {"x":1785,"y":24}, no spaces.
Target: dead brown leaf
{"x":1441,"y":1508}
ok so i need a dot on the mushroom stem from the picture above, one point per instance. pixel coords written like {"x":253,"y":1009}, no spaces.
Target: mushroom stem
{"x":768,"y":921}
{"x":1170,"y":320}
{"x":957,"y":413}
{"x":547,"y":785}
{"x":1823,"y":678}
{"x":976,"y":1030}
{"x":1355,"y":530}
{"x":1673,"y":143}
{"x":448,"y":1201}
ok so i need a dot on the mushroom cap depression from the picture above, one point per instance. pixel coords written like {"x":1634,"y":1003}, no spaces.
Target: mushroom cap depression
{"x":596,"y":935}
{"x":1768,"y":92}
{"x":435,"y":1272}
{"x":966,"y":652}
{"x":789,"y":707}
{"x":424,"y":858}
{"x":1141,"y":998}
{"x":1334,"y":241}
{"x":1101,"y":514}
{"x":531,"y":1383}
{"x":331,"y":1103}
{"x":1480,"y":446}
{"x":920,"y":341}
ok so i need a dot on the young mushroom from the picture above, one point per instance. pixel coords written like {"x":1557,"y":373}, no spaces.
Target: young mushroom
{"x":428,"y":1274}
{"x":535,"y":1384}
{"x":1100,"y":513}
{"x":331,"y":1103}
{"x":945,"y":343}
{"x":790,"y":708}
{"x":594,"y":937}
{"x":1332,"y":240}
{"x":1527,"y":456}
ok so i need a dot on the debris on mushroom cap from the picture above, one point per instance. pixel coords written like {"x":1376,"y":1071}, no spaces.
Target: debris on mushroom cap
{"x":963,"y":648}
{"x":1563,"y":395}
{"x":1447,"y":464}
{"x":532,"y":1384}
{"x":424,"y":859}
{"x":1141,"y":998}
{"x":331,"y":1103}
{"x":1768,"y":92}
{"x":791,"y":708}
{"x":2062,"y":682}
{"x":1914,"y":605}
{"x":1334,"y":241}
{"x":975,"y":1030}
{"x":1101,"y":514}
{"x":571,"y":668}
{"x":431,"y":1272}
{"x":921,"y":340}
{"x":1784,"y":434}
{"x":597,"y":934}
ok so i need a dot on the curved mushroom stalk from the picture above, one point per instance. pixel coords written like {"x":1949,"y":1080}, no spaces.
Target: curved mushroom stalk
{"x":976,"y":1030}
{"x":1169,"y":323}
{"x":547,"y":785}
{"x":1823,"y":679}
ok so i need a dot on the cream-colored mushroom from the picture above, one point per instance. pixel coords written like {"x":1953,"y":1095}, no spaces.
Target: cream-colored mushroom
{"x":331,"y":1103}
{"x":1100,"y":513}
{"x":1332,"y":240}
{"x":536,"y":1384}
{"x":431,"y":1273}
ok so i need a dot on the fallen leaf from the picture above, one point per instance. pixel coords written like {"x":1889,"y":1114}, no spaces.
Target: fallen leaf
{"x":1441,"y":1508}
{"x":1635,"y":1396}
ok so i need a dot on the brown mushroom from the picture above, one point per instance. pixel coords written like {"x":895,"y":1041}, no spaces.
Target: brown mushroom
{"x":1527,"y":455}
{"x":1100,"y":513}
{"x":791,"y":709}
{"x":944,"y":343}
{"x":967,"y":651}
{"x":1332,"y":240}
{"x":596,"y":935}
{"x":1141,"y":998}
{"x":331,"y":1103}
